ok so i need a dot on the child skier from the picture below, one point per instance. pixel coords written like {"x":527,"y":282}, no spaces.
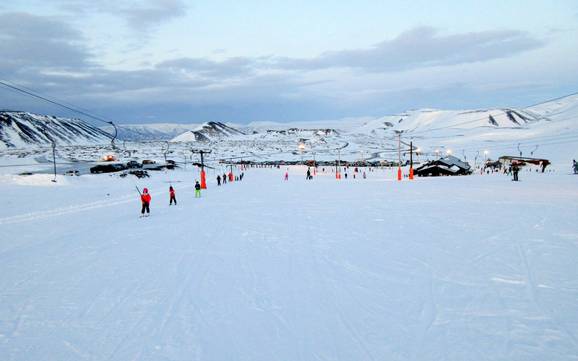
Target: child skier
{"x":145,"y":199}
{"x":172,"y":196}
{"x":197,"y":189}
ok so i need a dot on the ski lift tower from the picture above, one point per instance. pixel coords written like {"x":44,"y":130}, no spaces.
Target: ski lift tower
{"x":203,"y":174}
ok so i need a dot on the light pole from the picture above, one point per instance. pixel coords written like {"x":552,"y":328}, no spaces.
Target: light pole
{"x":411,"y":160}
{"x":399,"y":154}
{"x":338,"y":165}
{"x":314,"y":165}
{"x":54,"y":159}
{"x":301,"y":149}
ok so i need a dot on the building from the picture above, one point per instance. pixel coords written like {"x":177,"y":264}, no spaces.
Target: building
{"x":445,"y":166}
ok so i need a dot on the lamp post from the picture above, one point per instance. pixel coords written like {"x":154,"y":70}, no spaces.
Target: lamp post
{"x":301,"y":150}
{"x":411,"y":160}
{"x":338,"y":165}
{"x":314,"y":165}
{"x":54,"y":158}
{"x":399,"y":154}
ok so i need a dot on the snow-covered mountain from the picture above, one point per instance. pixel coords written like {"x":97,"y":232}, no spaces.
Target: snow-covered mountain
{"x":23,"y":129}
{"x":546,"y":130}
{"x":208,"y":132}
{"x":153,"y":131}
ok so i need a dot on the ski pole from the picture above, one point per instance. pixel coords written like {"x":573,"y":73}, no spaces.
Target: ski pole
{"x":138,"y":190}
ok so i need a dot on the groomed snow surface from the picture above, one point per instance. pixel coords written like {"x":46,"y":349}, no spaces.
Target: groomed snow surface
{"x":460,"y":268}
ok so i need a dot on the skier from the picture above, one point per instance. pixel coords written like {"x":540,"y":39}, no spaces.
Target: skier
{"x":286,"y":176}
{"x":145,"y":199}
{"x":364,"y":175}
{"x":308,"y":176}
{"x":515,"y":170}
{"x":575,"y":166}
{"x":197,"y":189}
{"x":218,"y":180}
{"x":224,"y":178}
{"x":172,"y":196}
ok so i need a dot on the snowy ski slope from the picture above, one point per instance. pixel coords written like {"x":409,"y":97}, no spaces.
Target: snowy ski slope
{"x":461,"y":268}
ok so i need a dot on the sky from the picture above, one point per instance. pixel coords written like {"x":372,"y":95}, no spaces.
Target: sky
{"x":149,"y":61}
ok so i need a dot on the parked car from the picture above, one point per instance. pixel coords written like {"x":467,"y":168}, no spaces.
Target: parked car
{"x":171,"y":164}
{"x":72,"y":172}
{"x":107,"y":168}
{"x":133,"y":164}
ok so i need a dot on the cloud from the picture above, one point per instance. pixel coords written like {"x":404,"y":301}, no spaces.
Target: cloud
{"x":417,"y":48}
{"x":52,"y":57}
{"x":231,"y":67}
{"x":421,"y":47}
{"x":153,"y":12}
{"x":30,"y":41}
{"x":141,"y":15}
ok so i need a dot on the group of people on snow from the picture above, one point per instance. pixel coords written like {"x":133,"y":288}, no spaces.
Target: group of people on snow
{"x":145,"y":196}
{"x":223,"y":179}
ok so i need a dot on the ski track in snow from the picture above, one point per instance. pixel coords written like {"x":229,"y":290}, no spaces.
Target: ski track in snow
{"x":271,"y":270}
{"x":62,"y":211}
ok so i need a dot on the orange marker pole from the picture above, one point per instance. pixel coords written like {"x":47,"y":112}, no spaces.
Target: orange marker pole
{"x":203,"y":179}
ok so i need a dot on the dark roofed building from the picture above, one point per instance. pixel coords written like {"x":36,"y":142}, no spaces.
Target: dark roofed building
{"x":449,"y":165}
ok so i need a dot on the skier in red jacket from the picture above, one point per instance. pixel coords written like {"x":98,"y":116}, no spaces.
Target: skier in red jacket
{"x":145,"y":198}
{"x":172,"y":195}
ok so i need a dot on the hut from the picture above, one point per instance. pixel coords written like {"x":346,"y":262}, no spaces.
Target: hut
{"x":445,"y":166}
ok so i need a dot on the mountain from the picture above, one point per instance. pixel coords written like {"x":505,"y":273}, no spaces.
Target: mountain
{"x":153,"y":131}
{"x":546,"y":130}
{"x":23,"y":129}
{"x":207,"y":132}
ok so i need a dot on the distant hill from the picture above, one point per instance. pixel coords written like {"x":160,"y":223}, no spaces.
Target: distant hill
{"x":153,"y":131}
{"x":207,"y":132}
{"x":23,"y":129}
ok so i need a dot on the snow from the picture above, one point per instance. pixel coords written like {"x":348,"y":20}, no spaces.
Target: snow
{"x":26,"y":130}
{"x":456,"y":268}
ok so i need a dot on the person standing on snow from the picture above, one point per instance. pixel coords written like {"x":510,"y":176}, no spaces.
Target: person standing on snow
{"x":286,"y":176}
{"x":145,"y":199}
{"x":172,"y":196}
{"x":515,"y":170}
{"x":224,"y":178}
{"x":308,"y":176}
{"x":219,"y":180}
{"x":197,"y":189}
